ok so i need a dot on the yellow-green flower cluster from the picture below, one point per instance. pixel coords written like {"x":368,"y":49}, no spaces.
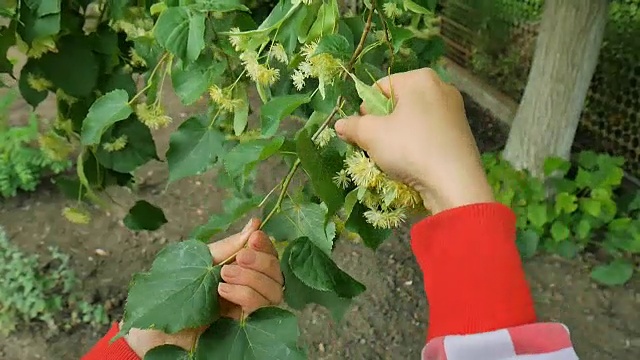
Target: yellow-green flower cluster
{"x":391,"y":10}
{"x":387,"y":200}
{"x":324,"y":137}
{"x":38,"y":83}
{"x":259,"y":73}
{"x":116,"y":145}
{"x":152,"y":115}
{"x":76,"y":215}
{"x":324,"y":67}
{"x":55,"y":147}
{"x":224,"y":98}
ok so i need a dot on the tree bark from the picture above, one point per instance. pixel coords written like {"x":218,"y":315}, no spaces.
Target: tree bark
{"x":564,"y":61}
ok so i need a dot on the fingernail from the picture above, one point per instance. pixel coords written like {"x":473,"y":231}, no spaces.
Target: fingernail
{"x":230,"y":271}
{"x":224,"y":288}
{"x":248,"y":226}
{"x":246,"y":257}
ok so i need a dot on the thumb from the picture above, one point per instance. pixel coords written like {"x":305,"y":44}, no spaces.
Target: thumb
{"x":223,"y":249}
{"x":358,"y":130}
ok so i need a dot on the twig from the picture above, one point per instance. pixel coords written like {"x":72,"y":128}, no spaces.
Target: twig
{"x":363,"y":38}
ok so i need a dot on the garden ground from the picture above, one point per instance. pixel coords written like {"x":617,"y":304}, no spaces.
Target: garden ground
{"x":387,"y":322}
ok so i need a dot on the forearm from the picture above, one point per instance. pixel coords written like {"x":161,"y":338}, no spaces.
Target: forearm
{"x":473,"y":274}
{"x":105,"y":350}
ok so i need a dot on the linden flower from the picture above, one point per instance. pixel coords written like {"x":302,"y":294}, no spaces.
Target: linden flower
{"x":38,"y":83}
{"x":42,"y":46}
{"x":76,"y":215}
{"x":154,"y":116}
{"x":136,"y":59}
{"x":63,"y":96}
{"x":385,"y":219}
{"x":259,"y":73}
{"x":223,"y":98}
{"x":371,"y":200}
{"x":391,"y":10}
{"x":298,"y":78}
{"x":278,"y":52}
{"x":238,"y":41}
{"x":55,"y":147}
{"x":325,"y":137}
{"x":363,"y":172}
{"x":116,"y":145}
{"x":341,"y":179}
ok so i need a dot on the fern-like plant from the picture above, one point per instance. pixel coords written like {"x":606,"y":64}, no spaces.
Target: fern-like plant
{"x":22,"y":163}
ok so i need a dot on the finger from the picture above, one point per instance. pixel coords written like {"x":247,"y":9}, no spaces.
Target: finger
{"x":359,"y":130}
{"x":261,"y":283}
{"x":407,"y":84}
{"x":261,"y":262}
{"x":245,"y":297}
{"x":223,"y":249}
{"x":259,"y":241}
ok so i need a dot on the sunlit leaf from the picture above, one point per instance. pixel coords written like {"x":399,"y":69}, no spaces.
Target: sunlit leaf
{"x":268,"y":333}
{"x":277,"y":109}
{"x":106,"y":111}
{"x":244,"y":157}
{"x":181,"y":32}
{"x":233,"y":209}
{"x":182,"y":273}
{"x":193,"y":148}
{"x":615,"y":273}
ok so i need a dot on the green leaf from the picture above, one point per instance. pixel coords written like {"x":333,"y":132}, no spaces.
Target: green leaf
{"x":233,"y":210}
{"x":244,"y":157}
{"x":615,"y":273}
{"x":375,"y":102}
{"x":635,"y":203}
{"x":527,"y":242}
{"x":144,"y":216}
{"x":567,"y":249}
{"x":591,"y":207}
{"x":317,"y":270}
{"x":32,"y":27}
{"x":413,"y":7}
{"x":191,"y":81}
{"x":43,"y":8}
{"x":167,"y":352}
{"x":182,"y":273}
{"x":268,"y":333}
{"x":119,"y":79}
{"x":7,"y":40}
{"x":335,"y":45}
{"x":138,"y":150}
{"x":398,"y":36}
{"x":306,"y":219}
{"x":537,"y":214}
{"x":181,"y":32}
{"x":116,"y":8}
{"x":241,"y":114}
{"x":73,"y":53}
{"x":349,"y":202}
{"x":321,"y":166}
{"x":277,"y":109}
{"x":30,"y":95}
{"x":566,"y":203}
{"x":371,"y":236}
{"x":297,"y":294}
{"x":220,"y":5}
{"x":106,"y":111}
{"x":326,"y":21}
{"x":193,"y":148}
{"x":583,"y":229}
{"x":560,"y":231}
{"x":588,"y":159}
{"x":556,"y":164}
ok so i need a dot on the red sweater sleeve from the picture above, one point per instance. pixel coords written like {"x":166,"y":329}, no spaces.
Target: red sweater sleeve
{"x":104,"y":350}
{"x":473,"y":274}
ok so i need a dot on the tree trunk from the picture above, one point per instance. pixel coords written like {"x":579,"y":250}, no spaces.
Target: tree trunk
{"x":564,"y":61}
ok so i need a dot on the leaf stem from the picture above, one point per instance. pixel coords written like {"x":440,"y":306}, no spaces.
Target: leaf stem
{"x":363,"y":38}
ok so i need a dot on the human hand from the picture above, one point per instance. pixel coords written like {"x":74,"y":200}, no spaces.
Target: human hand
{"x":254,"y":280}
{"x":426,"y":142}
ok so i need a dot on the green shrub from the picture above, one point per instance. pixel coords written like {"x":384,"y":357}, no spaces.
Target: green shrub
{"x":22,"y":164}
{"x":579,"y":207}
{"x":32,"y":291}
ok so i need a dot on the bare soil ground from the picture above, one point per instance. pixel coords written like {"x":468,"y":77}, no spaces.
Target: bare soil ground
{"x":387,"y":322}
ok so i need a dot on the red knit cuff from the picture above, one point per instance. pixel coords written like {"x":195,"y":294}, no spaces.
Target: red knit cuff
{"x":473,"y":274}
{"x":105,"y":350}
